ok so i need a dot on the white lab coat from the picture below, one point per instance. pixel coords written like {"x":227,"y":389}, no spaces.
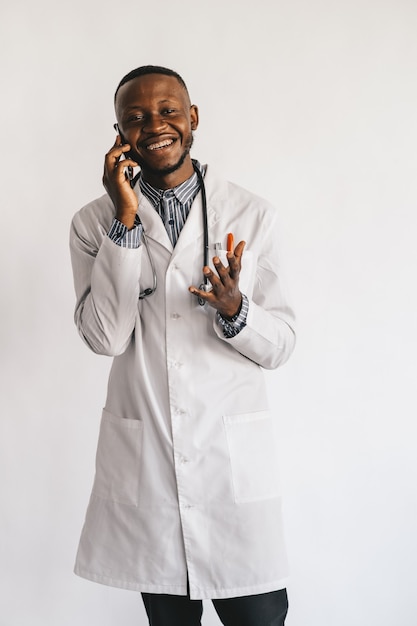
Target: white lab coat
{"x":186,"y":467}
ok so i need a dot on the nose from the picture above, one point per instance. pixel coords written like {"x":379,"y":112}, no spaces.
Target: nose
{"x":154,"y":123}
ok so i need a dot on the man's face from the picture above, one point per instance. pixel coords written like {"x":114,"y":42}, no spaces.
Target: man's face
{"x":156,"y":119}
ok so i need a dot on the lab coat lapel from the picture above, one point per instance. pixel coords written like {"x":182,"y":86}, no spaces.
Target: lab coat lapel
{"x":152,"y":223}
{"x":193,"y":229}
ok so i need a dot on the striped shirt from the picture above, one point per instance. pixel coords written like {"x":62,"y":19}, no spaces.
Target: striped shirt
{"x":173,"y":206}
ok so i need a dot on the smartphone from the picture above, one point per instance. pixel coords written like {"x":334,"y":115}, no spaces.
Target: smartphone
{"x":125,"y":155}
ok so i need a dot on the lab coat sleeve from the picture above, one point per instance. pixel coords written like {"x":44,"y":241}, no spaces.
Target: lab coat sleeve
{"x":106,"y":280}
{"x":268,"y":338}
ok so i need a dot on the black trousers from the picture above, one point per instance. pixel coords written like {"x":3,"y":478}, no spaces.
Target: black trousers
{"x":265,"y":609}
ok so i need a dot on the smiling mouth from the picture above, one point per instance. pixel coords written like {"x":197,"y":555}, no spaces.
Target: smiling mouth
{"x":160,"y":145}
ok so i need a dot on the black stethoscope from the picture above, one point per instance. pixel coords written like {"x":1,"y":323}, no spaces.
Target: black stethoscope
{"x":203,"y":286}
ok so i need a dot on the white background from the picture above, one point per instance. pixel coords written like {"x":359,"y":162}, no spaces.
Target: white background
{"x":311,"y":104}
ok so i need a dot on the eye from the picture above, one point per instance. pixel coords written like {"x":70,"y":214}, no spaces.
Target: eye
{"x":137,"y":117}
{"x":169,"y":111}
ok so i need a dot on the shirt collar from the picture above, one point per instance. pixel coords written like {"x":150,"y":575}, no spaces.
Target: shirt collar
{"x":182,"y":192}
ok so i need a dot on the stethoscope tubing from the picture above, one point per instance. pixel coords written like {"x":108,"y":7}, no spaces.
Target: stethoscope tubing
{"x":204,"y":284}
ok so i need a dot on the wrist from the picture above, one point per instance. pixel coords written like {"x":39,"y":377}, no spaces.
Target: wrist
{"x":232,"y":311}
{"x":126,"y":218}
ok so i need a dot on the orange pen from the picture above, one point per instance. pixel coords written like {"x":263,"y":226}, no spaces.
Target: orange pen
{"x":230,"y":242}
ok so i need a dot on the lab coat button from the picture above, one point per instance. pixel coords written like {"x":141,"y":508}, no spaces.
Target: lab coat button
{"x":175,"y":316}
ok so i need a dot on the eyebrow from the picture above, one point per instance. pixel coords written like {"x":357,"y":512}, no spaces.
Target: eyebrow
{"x":139,"y":106}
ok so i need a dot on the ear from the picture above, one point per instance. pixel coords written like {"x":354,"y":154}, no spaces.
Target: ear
{"x":194,"y":117}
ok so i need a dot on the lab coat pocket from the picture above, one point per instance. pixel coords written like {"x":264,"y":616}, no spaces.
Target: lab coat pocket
{"x":253,"y":456}
{"x":118,"y":459}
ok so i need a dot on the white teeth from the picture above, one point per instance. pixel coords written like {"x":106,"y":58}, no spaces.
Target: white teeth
{"x":162,"y":144}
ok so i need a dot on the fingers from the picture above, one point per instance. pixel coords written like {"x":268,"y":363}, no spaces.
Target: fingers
{"x":232,"y":270}
{"x":227,"y":302}
{"x":227,"y":276}
{"x":224,"y":294}
{"x":207,"y":296}
{"x":239,"y":249}
{"x":117,"y":182}
{"x":117,"y":149}
{"x":205,"y":293}
{"x":235,"y":259}
{"x":222,"y":271}
{"x":112,"y":158}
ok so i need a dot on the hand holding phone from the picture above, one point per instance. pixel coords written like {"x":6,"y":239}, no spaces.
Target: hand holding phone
{"x":116,"y":179}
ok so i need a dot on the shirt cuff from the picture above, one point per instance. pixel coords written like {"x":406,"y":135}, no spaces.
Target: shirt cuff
{"x":123,"y":237}
{"x":232,"y":327}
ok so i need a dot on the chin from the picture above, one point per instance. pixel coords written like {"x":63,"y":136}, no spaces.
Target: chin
{"x":163,"y":170}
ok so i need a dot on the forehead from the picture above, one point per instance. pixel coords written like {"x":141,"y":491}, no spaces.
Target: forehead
{"x":148,"y":90}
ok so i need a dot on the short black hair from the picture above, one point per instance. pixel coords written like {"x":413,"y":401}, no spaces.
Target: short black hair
{"x":150,"y":69}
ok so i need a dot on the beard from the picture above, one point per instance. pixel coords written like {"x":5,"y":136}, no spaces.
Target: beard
{"x":168,"y":169}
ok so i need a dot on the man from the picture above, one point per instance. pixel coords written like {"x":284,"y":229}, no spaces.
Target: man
{"x":185,"y":502}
